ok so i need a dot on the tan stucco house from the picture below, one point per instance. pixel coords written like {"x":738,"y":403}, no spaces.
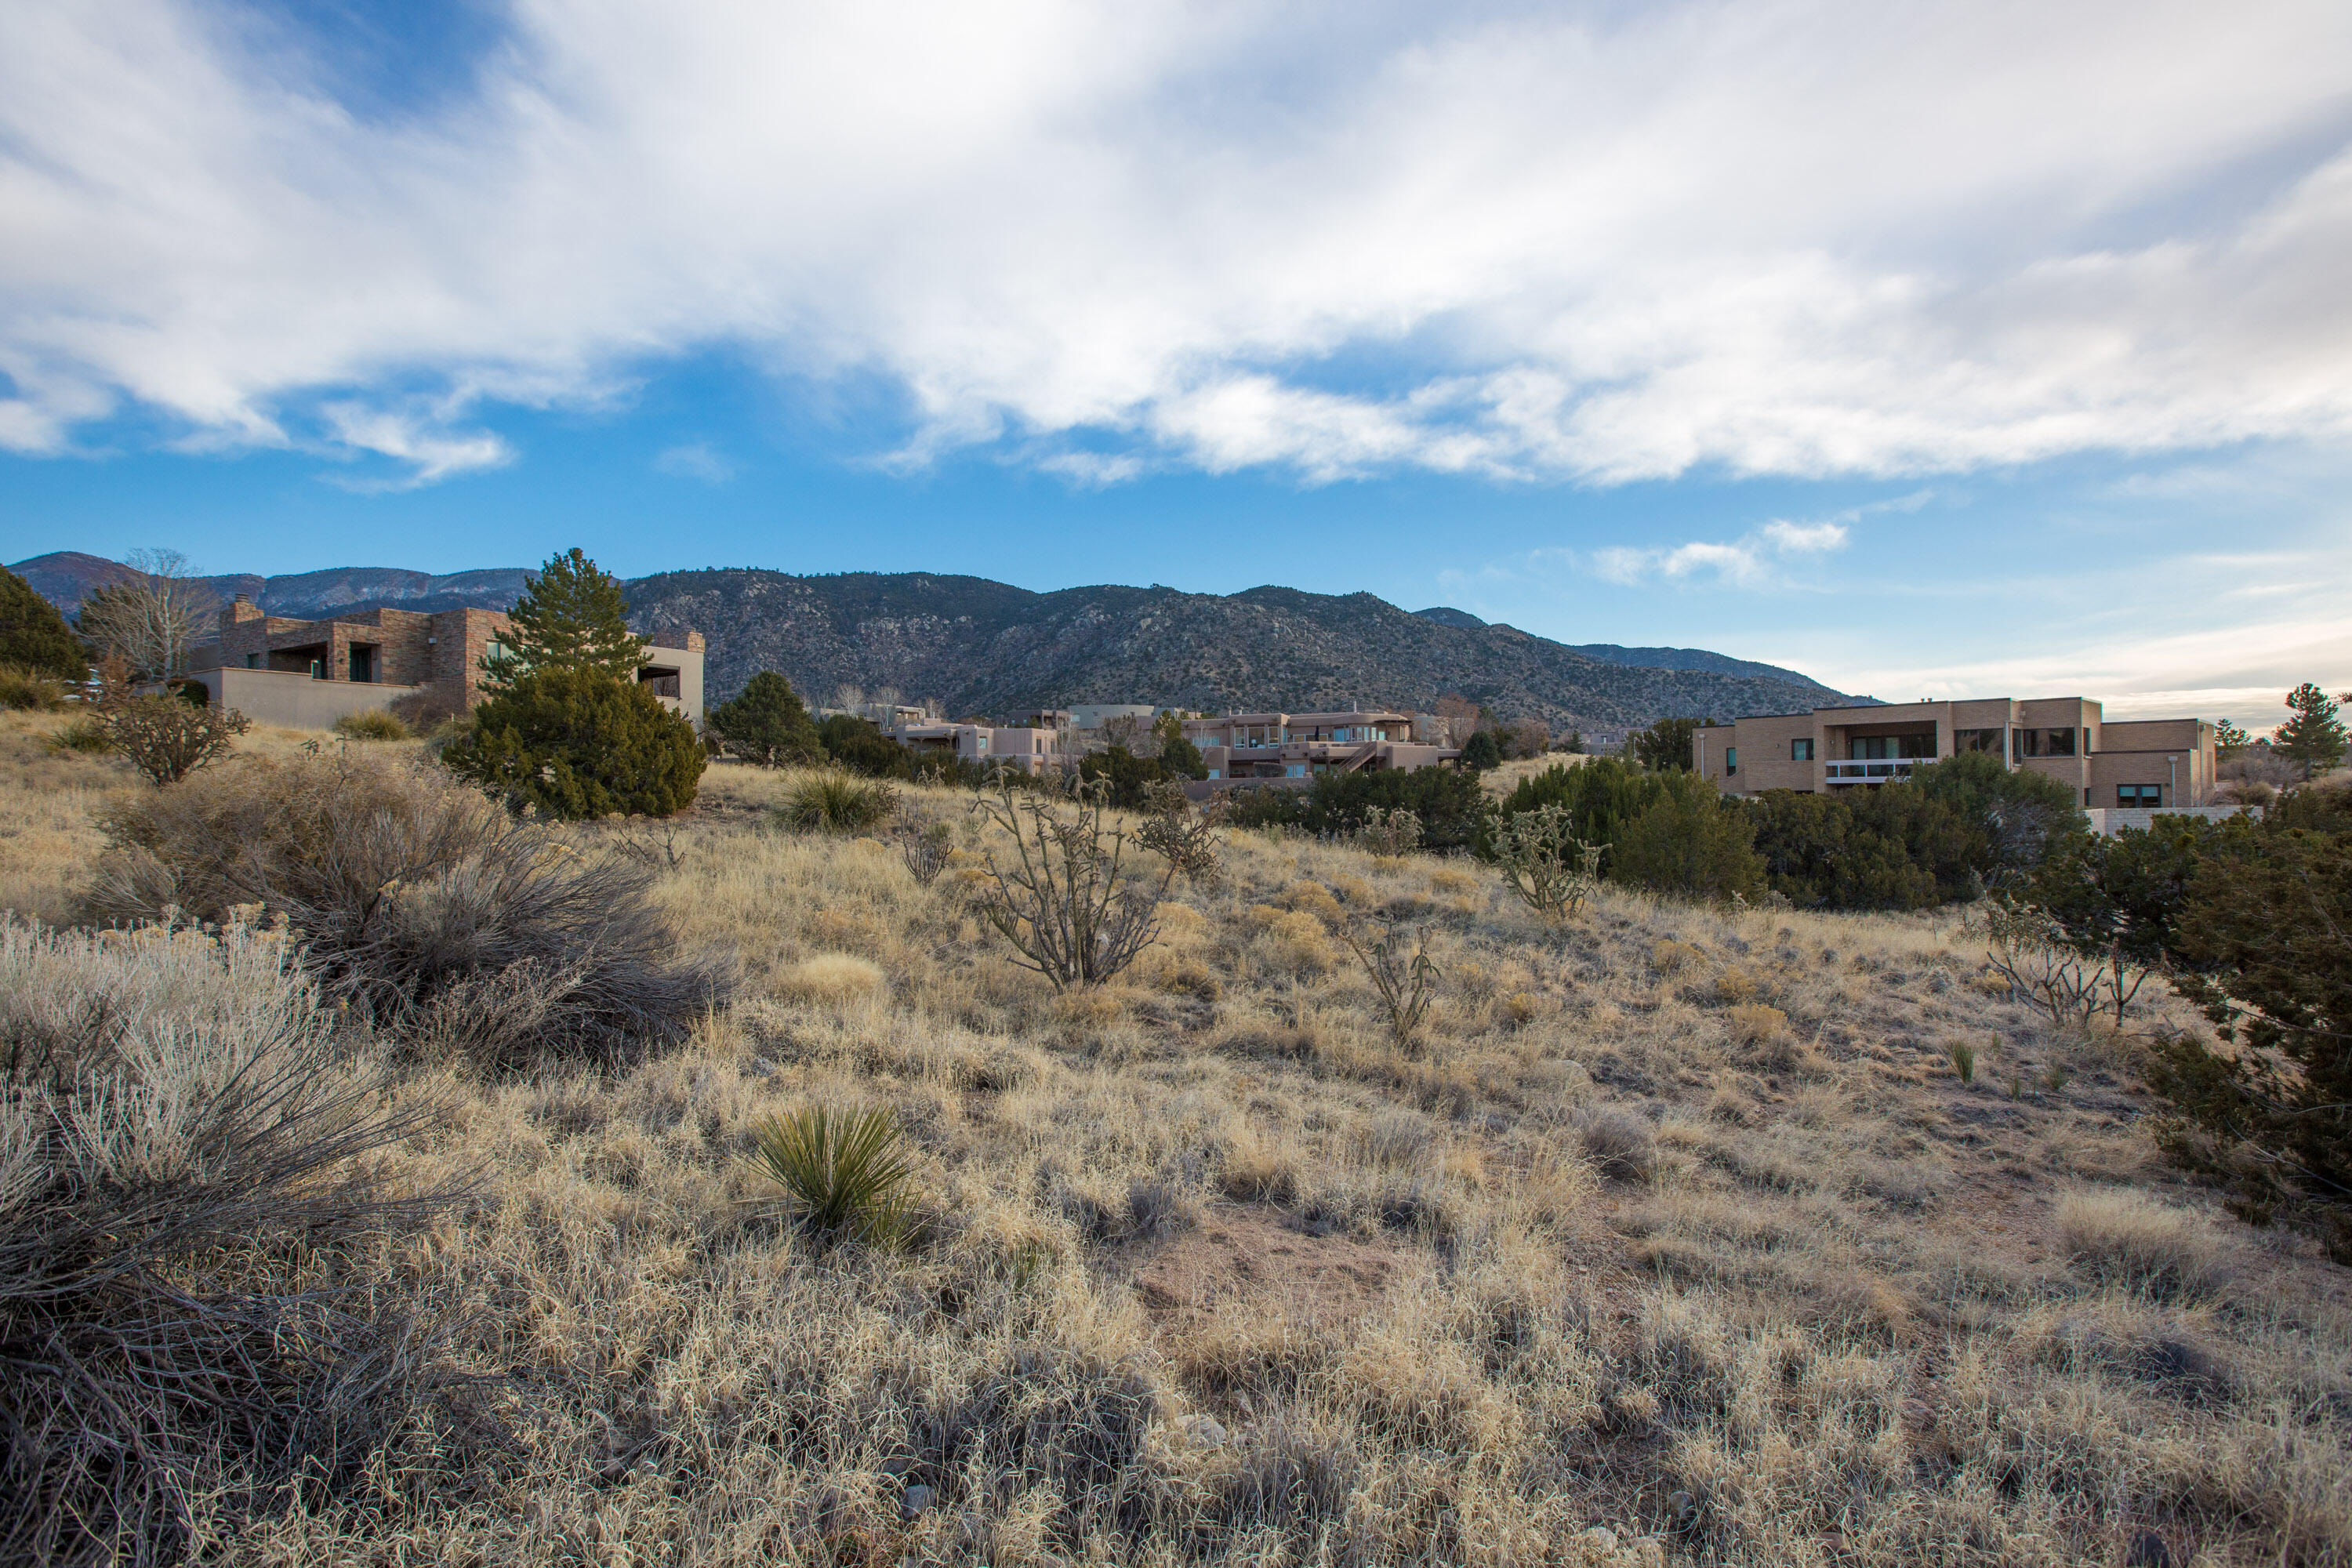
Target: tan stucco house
{"x":308,"y":674}
{"x":1254,"y":748}
{"x":2128,"y":765}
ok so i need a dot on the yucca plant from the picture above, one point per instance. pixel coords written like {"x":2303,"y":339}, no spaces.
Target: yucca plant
{"x":833,"y":802}
{"x":847,"y":1174}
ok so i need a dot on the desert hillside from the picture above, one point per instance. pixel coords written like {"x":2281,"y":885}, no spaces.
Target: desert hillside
{"x":1674,"y":1233}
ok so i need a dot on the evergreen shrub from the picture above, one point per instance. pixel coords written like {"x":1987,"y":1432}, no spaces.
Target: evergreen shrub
{"x":579,"y":743}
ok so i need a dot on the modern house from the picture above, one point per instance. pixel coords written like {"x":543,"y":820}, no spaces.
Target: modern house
{"x":1031,"y":749}
{"x":2128,"y":765}
{"x":1245,"y":748}
{"x":308,"y":674}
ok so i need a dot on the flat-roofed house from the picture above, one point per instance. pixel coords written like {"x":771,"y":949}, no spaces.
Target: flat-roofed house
{"x":1032,"y":749}
{"x":308,"y":674}
{"x":1254,"y":748}
{"x":2111,"y":765}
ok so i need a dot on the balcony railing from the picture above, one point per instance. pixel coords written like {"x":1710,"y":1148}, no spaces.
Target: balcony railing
{"x":1874,"y":771}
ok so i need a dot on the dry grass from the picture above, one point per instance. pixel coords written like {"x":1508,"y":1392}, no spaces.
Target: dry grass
{"x":1680,"y":1224}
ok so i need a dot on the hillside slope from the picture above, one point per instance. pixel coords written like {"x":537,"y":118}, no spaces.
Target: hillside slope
{"x":987,"y":647}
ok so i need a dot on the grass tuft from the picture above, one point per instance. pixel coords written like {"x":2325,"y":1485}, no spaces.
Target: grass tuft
{"x":845,"y":1174}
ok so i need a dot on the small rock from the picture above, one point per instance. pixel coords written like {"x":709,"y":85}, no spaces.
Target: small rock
{"x":1600,"y":1538}
{"x":1202,"y":1432}
{"x":759,"y":1066}
{"x":916,"y":1500}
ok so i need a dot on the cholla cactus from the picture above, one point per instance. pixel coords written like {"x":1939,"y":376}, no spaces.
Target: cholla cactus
{"x":1550,"y":869}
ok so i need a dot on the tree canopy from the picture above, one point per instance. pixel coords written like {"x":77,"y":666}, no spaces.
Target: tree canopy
{"x":572,"y":616}
{"x":34,"y":636}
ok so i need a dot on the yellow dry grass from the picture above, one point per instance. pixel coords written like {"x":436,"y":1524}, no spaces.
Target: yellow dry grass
{"x":1690,"y":1243}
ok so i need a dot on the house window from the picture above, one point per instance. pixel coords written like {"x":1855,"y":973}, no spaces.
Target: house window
{"x":2061,"y":743}
{"x":1801,"y":751}
{"x":1730,"y":761}
{"x":2139,"y":796}
{"x":253,"y":661}
{"x":362,"y":664}
{"x":1976,"y":741}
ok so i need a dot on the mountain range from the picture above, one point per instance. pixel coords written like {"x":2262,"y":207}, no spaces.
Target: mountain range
{"x":982,"y":646}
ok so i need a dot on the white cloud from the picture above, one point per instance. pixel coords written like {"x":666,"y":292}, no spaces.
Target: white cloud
{"x":696,"y":460}
{"x":1796,"y":238}
{"x":1752,"y":560}
{"x":429,"y":454}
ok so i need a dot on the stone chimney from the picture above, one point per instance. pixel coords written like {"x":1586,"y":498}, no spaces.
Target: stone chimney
{"x":241,"y":608}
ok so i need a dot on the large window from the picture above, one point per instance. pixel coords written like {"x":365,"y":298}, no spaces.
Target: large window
{"x":2045,"y":742}
{"x":1977,"y":741}
{"x":1731,"y":759}
{"x":1801,"y":751}
{"x":2143,"y":796}
{"x":1889,"y":747}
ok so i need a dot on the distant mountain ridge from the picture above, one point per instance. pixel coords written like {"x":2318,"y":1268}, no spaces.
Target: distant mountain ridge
{"x":1651,"y":657}
{"x":66,"y":577}
{"x":983,"y":647}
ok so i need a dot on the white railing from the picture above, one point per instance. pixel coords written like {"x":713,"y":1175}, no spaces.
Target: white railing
{"x":1885,"y":772}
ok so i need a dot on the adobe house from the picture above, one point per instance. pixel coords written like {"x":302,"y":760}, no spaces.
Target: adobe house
{"x":1251,"y":748}
{"x":2113,"y":765}
{"x":308,"y":674}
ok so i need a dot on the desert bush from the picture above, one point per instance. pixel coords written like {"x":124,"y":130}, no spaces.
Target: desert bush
{"x":1449,"y":803}
{"x":2127,"y":1238}
{"x":846,"y":1176}
{"x":836,"y":802}
{"x":831,"y":977}
{"x":1619,"y":1144}
{"x":418,"y":903}
{"x":428,"y":708}
{"x":767,"y":723}
{"x":1406,"y":986}
{"x":1693,"y":843}
{"x":2015,"y":818}
{"x":925,"y":851}
{"x":1186,"y":838}
{"x":2116,"y":901}
{"x":2026,"y":949}
{"x":370,"y":724}
{"x":1390,"y":830}
{"x":2264,"y":946}
{"x":1126,"y":781}
{"x":84,"y":735}
{"x":164,"y":738}
{"x":30,"y":690}
{"x":1544,"y":864}
{"x":1061,"y":901}
{"x":1482,"y":753}
{"x":575,"y":743}
{"x":176,"y":1142}
{"x":1665,"y":746}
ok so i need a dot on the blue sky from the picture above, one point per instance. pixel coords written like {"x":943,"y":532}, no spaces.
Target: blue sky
{"x":1935,"y":349}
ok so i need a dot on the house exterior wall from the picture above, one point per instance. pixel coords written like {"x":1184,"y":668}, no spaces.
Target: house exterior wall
{"x":1242,"y":749}
{"x":295,"y":700}
{"x":409,"y":651}
{"x":2062,"y":738}
{"x":1031,"y":749}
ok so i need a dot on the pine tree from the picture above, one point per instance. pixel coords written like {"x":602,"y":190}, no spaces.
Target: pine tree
{"x":572,"y":616}
{"x":767,"y":723}
{"x":2314,"y":736}
{"x":34,"y":637}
